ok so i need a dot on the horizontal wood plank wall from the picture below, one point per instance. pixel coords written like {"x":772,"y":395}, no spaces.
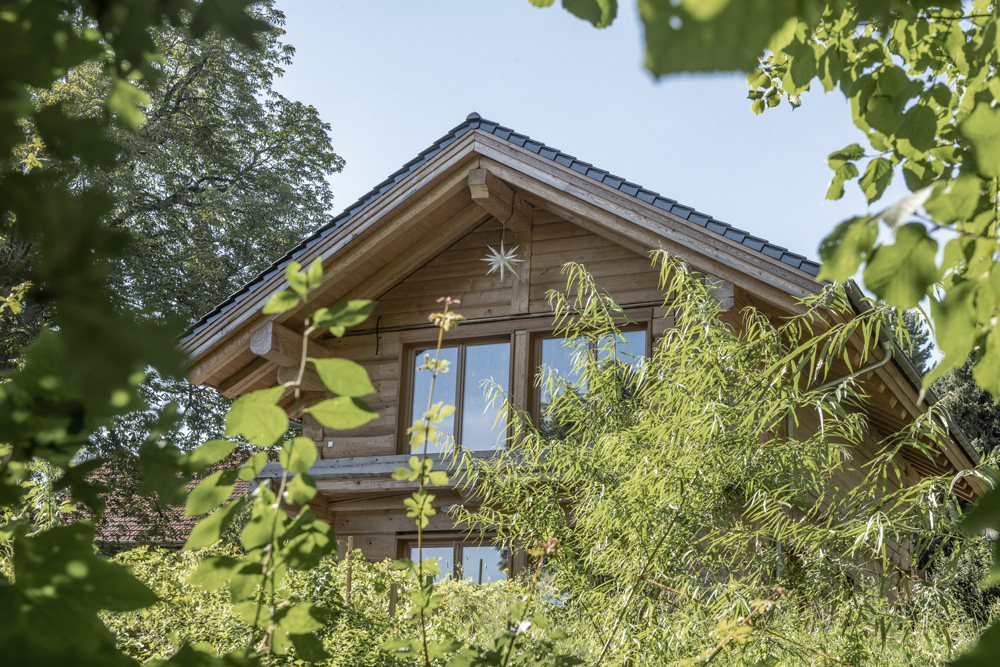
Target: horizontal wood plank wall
{"x":627,"y":275}
{"x":459,"y":272}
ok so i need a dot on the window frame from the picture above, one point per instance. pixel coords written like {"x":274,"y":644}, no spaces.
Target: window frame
{"x":408,"y":358}
{"x":535,"y":357}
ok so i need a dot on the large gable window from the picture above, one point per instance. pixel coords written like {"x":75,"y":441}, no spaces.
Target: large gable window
{"x":476,"y":371}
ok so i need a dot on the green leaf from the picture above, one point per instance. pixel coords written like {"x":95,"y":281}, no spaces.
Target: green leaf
{"x":601,"y":13}
{"x":296,"y":279}
{"x":341,"y":316}
{"x":982,"y":130}
{"x":954,"y":328}
{"x":985,"y":651}
{"x":208,"y":531}
{"x":300,"y":619}
{"x":314,"y":276}
{"x":877,"y":177}
{"x":298,"y":455}
{"x":281,"y":302}
{"x":309,"y":648}
{"x":301,"y":489}
{"x":344,"y":377}
{"x":159,"y":463}
{"x":207,"y":454}
{"x":127,"y":101}
{"x":902,"y":272}
{"x":704,"y":10}
{"x":848,"y":245}
{"x":252,"y":466}
{"x":210,"y":492}
{"x":213,"y":572}
{"x":915,"y":135}
{"x":342,"y":413}
{"x":267,"y":522}
{"x":846,"y":172}
{"x":955,"y":200}
{"x":721,"y":36}
{"x":257,"y":417}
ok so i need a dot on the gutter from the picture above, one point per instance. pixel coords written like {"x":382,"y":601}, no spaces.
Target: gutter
{"x":860,"y":304}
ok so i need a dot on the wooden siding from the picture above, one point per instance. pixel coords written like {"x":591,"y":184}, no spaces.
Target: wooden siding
{"x":459,"y":272}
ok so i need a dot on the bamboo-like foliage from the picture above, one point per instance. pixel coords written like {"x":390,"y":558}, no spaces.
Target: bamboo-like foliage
{"x":680,"y":495}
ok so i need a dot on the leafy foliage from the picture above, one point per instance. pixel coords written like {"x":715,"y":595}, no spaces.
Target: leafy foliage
{"x":86,"y":368}
{"x":691,"y":484}
{"x":921,"y":81}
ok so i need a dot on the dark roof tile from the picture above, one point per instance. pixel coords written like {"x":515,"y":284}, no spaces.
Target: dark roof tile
{"x":630,"y":189}
{"x":646,"y":196}
{"x":710,"y":225}
{"x":773,"y":251}
{"x":664,"y":203}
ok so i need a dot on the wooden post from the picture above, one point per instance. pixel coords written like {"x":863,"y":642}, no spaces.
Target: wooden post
{"x":350,"y":568}
{"x":480,"y":571}
{"x":392,"y":600}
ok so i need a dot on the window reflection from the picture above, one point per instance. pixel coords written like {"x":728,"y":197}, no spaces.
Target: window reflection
{"x":444,"y":390}
{"x":445,"y":559}
{"x":483,"y":564}
{"x":480,"y":563}
{"x":559,"y":357}
{"x":486,"y":368}
{"x":475,"y":373}
{"x":628,"y":347}
{"x":558,"y":360}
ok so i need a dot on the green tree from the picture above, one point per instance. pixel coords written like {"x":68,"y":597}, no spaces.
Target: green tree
{"x":974,"y":409}
{"x":222,"y":175}
{"x":84,"y":369}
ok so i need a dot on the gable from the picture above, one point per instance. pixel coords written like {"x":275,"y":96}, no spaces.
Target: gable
{"x":422,"y":234}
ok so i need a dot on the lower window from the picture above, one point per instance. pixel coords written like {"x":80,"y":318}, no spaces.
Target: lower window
{"x":464,"y":560}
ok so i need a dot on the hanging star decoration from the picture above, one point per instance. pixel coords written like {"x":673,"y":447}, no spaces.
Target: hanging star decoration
{"x":502,"y":260}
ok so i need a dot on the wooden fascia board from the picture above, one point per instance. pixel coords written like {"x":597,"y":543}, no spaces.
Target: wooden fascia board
{"x":245,"y":312}
{"x":554,"y":182}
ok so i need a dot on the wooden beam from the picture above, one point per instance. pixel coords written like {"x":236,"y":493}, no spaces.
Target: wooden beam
{"x":496,"y":198}
{"x":248,"y":377}
{"x":520,"y":295}
{"x":310,"y":379}
{"x":278,"y":343}
{"x":491,"y":193}
{"x":522,"y":376}
{"x":419,"y":254}
{"x":202,"y":371}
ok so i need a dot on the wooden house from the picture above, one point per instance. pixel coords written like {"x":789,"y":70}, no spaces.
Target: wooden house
{"x":422,"y":234}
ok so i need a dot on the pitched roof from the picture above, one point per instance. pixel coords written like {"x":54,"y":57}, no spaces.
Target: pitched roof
{"x":475,"y":122}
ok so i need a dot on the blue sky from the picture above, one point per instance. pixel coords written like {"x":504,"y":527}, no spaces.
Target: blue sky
{"x":390,"y":77}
